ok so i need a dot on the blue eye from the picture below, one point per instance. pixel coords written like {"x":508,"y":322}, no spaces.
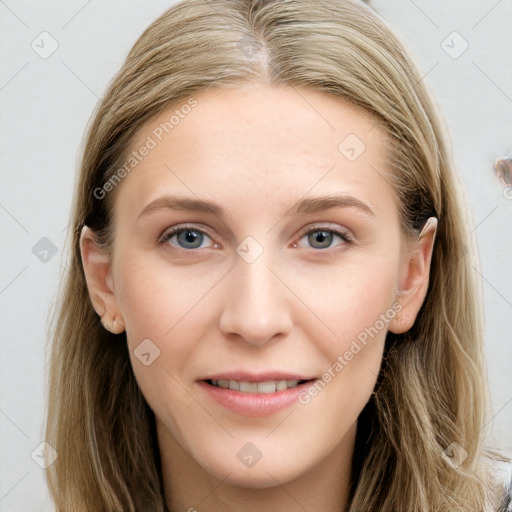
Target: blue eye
{"x":189,"y":237}
{"x":186,"y":236}
{"x":324,"y":237}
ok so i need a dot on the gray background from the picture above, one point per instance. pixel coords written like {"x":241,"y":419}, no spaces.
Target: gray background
{"x":46,"y":103}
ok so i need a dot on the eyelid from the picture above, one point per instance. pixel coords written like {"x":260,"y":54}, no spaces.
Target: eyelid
{"x":342,"y":232}
{"x":171,"y":231}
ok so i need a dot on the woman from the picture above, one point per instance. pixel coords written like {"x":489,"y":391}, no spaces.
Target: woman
{"x":270,"y":300}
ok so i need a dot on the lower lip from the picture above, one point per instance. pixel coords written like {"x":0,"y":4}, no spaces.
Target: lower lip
{"x":255,"y":404}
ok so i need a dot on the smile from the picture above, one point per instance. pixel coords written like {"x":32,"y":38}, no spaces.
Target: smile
{"x":255,"y":398}
{"x":269,"y":386}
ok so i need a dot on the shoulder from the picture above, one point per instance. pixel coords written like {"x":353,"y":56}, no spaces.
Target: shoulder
{"x":506,"y":505}
{"x":502,"y":478}
{"x":506,"y":502}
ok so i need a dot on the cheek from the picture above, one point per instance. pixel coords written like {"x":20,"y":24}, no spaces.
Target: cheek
{"x":337,"y":308}
{"x":334,"y":312}
{"x":154,"y":299}
{"x":352,"y":302}
{"x":166,"y":313}
{"x":333,"y":305}
{"x":355,"y":306}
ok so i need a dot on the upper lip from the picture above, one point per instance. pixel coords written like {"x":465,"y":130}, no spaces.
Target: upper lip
{"x":256,"y":377}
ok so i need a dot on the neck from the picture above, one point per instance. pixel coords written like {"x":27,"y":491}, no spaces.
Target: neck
{"x":189,"y":487}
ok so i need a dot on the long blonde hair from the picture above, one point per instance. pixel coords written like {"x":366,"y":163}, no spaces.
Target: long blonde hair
{"x":432,"y":389}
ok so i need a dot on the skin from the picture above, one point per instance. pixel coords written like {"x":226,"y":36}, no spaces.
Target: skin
{"x":256,"y":150}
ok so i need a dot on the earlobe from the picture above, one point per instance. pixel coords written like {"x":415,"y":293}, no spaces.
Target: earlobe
{"x":97,"y":269}
{"x":414,"y":279}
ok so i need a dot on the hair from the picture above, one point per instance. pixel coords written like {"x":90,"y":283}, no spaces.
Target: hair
{"x":432,"y":388}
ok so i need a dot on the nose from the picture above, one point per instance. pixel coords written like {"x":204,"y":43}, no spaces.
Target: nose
{"x":257,"y":303}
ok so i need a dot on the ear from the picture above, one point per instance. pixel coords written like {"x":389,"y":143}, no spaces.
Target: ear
{"x":413,"y":281}
{"x":97,"y":270}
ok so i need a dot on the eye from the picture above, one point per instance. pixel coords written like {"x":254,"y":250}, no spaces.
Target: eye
{"x":190,"y":237}
{"x":321,"y":237}
{"x":187,"y":237}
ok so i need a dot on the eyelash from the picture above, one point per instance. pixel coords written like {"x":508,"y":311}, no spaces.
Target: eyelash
{"x":166,"y":236}
{"x":343,"y":234}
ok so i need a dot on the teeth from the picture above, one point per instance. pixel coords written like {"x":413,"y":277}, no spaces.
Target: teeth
{"x":266,"y":387}
{"x":269,"y":386}
{"x":248,"y":387}
{"x":281,"y":385}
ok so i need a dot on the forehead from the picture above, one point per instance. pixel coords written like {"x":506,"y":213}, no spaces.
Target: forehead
{"x":257,"y":144}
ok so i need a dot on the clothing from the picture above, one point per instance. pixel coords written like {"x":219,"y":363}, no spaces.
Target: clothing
{"x":504,"y":475}
{"x":506,"y":506}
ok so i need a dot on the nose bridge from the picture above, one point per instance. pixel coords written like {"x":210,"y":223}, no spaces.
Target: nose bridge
{"x":255,"y":305}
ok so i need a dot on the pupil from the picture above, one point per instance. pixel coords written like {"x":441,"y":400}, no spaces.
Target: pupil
{"x":190,"y":237}
{"x":322,"y":237}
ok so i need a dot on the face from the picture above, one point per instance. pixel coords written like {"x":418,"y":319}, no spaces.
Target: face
{"x":282,"y":288}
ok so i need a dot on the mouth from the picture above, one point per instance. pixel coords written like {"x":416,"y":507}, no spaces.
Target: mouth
{"x":263,"y":387}
{"x":253,"y":396}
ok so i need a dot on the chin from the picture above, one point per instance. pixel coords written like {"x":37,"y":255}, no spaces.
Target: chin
{"x":264,"y":474}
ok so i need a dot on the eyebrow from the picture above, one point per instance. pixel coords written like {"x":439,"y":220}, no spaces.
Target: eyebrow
{"x":305,"y":205}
